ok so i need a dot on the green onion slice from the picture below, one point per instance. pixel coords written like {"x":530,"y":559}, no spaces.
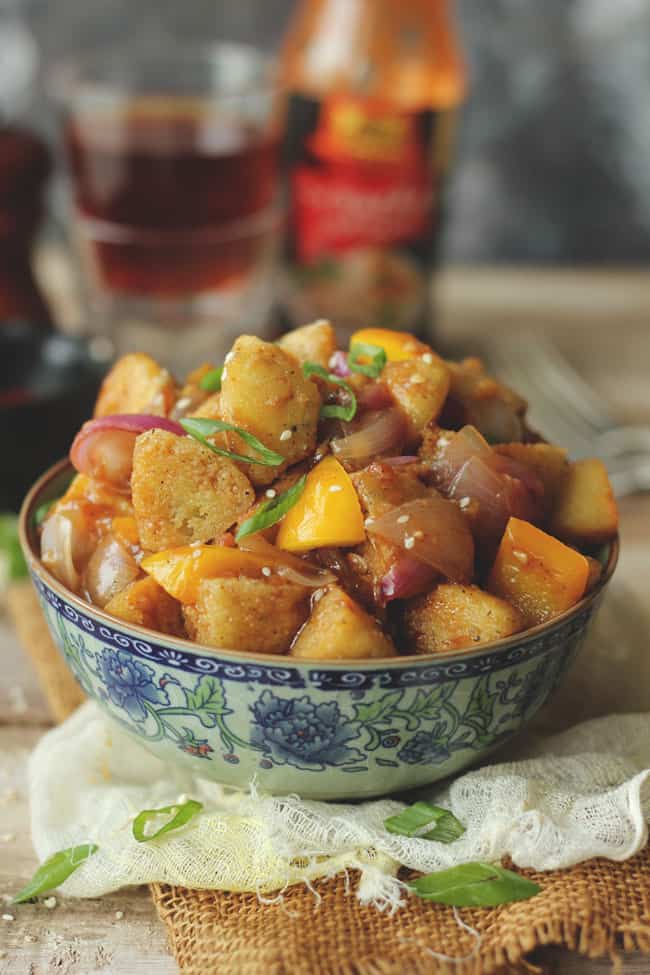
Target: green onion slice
{"x":271,"y":512}
{"x":200,"y":429}
{"x":411,"y":822}
{"x":363,"y":350}
{"x":474,"y":885}
{"x":43,"y":511}
{"x":180,"y":815}
{"x":53,"y":871}
{"x":11,"y":557}
{"x":211,"y":382}
{"x":336,"y":410}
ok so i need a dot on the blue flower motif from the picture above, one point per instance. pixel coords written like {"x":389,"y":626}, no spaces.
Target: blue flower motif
{"x":302,"y":734}
{"x":129,"y":683}
{"x":424,"y":749}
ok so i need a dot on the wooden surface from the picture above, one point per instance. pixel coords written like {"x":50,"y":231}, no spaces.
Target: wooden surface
{"x":602,"y":321}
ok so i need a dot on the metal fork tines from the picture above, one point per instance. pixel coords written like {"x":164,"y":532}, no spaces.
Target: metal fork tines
{"x":567,"y":411}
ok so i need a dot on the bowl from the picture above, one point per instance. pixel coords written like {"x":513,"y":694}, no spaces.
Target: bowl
{"x":48,"y":386}
{"x":322,"y":730}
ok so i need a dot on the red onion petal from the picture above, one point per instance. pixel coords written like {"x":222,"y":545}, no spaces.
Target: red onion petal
{"x":406,"y":578}
{"x":375,"y":433}
{"x":99,"y":451}
{"x":338,"y":364}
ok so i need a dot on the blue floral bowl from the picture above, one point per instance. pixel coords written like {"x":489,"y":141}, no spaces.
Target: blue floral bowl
{"x":331,"y":731}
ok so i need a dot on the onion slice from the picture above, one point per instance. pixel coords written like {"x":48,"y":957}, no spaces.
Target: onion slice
{"x":338,"y":364}
{"x":286,"y":565}
{"x":103,"y":448}
{"x":431,"y":530}
{"x":406,"y":577}
{"x":375,"y":434}
{"x":110,"y":569}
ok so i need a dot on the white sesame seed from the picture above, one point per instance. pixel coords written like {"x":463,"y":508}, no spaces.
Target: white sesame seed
{"x":270,"y":493}
{"x":266,"y":571}
{"x":464,"y":502}
{"x":119,"y":915}
{"x":8,"y":917}
{"x":50,"y":903}
{"x":368,"y":522}
{"x":409,"y":542}
{"x":403,"y":519}
{"x":229,"y":356}
{"x":417,"y":380}
{"x":418,"y":534}
{"x":520,"y":556}
{"x":428,"y":358}
{"x":196,"y":544}
{"x":335,"y":487}
{"x":183,"y":403}
{"x":286,"y":435}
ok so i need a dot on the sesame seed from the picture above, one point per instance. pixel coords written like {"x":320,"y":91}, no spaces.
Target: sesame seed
{"x":417,"y":380}
{"x":464,"y":502}
{"x":409,"y":542}
{"x":196,"y":544}
{"x":50,"y":903}
{"x":8,"y":917}
{"x":286,"y":435}
{"x":119,"y":915}
{"x":428,"y":358}
{"x":368,"y":522}
{"x":403,"y":519}
{"x":418,"y":534}
{"x":270,"y":493}
{"x":335,"y":487}
{"x":266,"y":571}
{"x":183,"y":403}
{"x":520,"y":556}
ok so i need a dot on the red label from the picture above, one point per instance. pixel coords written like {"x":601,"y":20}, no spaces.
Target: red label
{"x":369,"y":181}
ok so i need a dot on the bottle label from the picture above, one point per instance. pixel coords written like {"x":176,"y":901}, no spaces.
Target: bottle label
{"x":364,"y":182}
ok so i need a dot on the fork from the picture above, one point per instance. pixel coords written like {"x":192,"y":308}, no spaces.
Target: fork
{"x":568,"y":411}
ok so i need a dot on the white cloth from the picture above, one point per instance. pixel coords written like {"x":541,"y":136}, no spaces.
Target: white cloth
{"x":575,"y":795}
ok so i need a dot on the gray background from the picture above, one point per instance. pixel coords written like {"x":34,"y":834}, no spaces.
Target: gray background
{"x":554,"y":157}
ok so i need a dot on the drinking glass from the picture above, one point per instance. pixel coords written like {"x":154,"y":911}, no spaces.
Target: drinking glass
{"x":173,"y":155}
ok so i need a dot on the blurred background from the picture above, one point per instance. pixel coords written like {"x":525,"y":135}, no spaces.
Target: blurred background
{"x":554,"y":152}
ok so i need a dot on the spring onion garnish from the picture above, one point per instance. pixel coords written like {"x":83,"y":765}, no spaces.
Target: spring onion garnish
{"x":271,"y":512}
{"x":411,"y":821}
{"x":200,"y":429}
{"x":180,"y":815}
{"x":474,"y":885}
{"x":335,"y":410}
{"x":12,"y":563}
{"x":365,"y":351}
{"x":43,"y":511}
{"x":211,"y":382}
{"x":53,"y":871}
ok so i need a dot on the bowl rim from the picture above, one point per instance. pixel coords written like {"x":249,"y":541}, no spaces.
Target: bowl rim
{"x":34,"y":562}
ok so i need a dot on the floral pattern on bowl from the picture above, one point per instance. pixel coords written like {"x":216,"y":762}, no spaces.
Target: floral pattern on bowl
{"x":367,"y":728}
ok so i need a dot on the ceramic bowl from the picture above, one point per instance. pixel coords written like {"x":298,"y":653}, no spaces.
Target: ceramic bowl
{"x":322,"y":730}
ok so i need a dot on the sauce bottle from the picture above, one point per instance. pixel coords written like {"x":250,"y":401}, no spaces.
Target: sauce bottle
{"x":373,"y":87}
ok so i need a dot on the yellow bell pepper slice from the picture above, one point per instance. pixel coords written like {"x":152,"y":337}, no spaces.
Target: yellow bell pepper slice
{"x":125,"y":529}
{"x":327,"y":513}
{"x":537,"y":573}
{"x":180,"y":570}
{"x":398,"y":346}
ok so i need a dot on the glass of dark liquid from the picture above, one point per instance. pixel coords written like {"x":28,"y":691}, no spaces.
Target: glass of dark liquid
{"x":174,"y":155}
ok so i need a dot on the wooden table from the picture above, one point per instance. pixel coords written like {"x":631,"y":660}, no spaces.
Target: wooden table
{"x":602,"y":321}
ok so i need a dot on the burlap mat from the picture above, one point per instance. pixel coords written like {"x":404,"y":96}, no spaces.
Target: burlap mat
{"x":596,"y":908}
